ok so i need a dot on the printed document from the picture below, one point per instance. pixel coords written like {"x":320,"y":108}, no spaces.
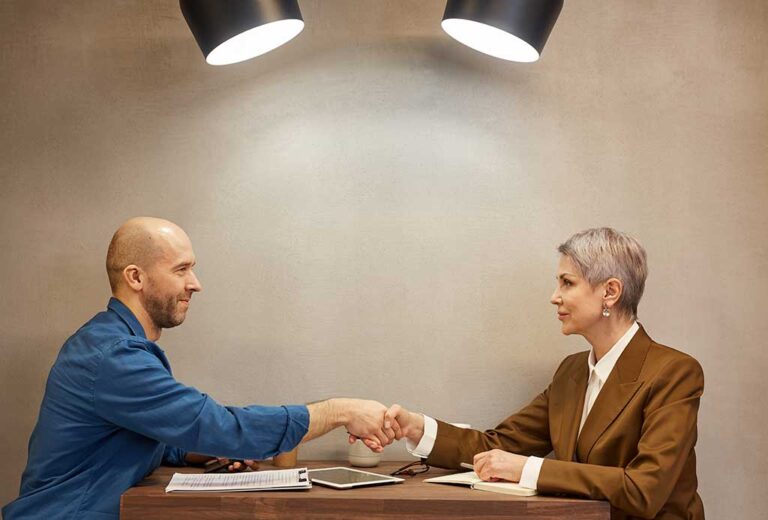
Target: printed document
{"x":282,"y":479}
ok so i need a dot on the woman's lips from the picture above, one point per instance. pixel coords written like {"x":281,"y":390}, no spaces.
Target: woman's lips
{"x":561,"y":316}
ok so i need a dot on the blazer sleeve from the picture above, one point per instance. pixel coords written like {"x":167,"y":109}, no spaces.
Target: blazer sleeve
{"x":667,"y":438}
{"x":525,"y":432}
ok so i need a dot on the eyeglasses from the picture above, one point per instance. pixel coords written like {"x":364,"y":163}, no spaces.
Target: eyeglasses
{"x":413,"y":468}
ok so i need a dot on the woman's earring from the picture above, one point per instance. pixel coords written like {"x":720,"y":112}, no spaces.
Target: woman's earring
{"x":606,"y":312}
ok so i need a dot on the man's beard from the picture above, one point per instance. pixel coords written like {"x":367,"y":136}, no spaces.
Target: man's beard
{"x":164,"y":312}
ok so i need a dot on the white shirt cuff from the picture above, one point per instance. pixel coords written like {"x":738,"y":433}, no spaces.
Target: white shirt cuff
{"x":529,"y":478}
{"x":427,"y":442}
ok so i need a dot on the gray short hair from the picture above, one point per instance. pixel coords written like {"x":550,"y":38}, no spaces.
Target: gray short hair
{"x":603,"y":253}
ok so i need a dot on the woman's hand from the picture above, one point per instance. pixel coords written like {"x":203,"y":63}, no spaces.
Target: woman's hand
{"x":499,"y":465}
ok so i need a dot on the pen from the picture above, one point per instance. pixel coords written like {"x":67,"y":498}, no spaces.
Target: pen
{"x":467,"y":466}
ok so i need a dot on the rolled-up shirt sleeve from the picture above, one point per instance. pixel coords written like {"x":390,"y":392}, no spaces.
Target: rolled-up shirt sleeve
{"x":135,"y":390}
{"x":174,"y":456}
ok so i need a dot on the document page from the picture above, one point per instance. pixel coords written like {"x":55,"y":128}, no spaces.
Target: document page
{"x":472,"y":480}
{"x":466,"y":479}
{"x":245,"y":481}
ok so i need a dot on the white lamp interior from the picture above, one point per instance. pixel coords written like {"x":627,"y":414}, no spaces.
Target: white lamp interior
{"x":255,"y":42}
{"x":490,"y":40}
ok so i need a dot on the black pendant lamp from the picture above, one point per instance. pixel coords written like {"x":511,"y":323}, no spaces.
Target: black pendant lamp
{"x":514,"y":30}
{"x":230,"y":31}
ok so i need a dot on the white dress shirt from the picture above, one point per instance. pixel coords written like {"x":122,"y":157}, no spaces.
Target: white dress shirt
{"x":598,"y":374}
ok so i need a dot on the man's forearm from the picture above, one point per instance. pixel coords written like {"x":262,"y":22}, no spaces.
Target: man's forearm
{"x":363,"y":419}
{"x":325,"y":416}
{"x":196,"y":459}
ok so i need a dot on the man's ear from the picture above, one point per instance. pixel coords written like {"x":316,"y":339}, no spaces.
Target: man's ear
{"x":134,"y":277}
{"x":612,"y":292}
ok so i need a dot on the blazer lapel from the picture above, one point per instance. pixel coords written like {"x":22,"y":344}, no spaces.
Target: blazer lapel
{"x":568,"y":405}
{"x":621,"y":385}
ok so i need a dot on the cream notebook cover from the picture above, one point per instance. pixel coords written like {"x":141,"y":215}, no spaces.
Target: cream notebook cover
{"x":473,"y":481}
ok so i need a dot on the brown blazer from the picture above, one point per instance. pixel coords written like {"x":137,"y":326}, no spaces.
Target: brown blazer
{"x":636,"y":449}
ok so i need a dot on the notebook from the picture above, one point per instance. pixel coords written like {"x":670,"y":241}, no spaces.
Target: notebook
{"x":282,"y":479}
{"x":473,"y":481}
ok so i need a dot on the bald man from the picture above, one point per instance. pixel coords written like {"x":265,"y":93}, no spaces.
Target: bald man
{"x":112,"y":410}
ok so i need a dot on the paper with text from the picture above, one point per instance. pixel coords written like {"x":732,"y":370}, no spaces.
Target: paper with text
{"x":284,"y":479}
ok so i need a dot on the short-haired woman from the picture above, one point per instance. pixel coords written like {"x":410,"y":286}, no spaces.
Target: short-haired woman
{"x":620,"y":418}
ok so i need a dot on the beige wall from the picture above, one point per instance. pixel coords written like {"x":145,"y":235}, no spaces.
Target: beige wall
{"x":375,"y":208}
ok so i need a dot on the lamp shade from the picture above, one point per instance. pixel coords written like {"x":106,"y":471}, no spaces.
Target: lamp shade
{"x":514,"y":30}
{"x":230,"y":31}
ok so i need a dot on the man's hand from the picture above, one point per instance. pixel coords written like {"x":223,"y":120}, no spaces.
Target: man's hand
{"x":366,"y":420}
{"x":499,"y":465}
{"x":196,"y":459}
{"x":247,"y":464}
{"x":363,"y":420}
{"x":409,"y":424}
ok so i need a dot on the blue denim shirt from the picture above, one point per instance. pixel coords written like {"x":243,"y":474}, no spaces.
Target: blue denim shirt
{"x":112,"y":412}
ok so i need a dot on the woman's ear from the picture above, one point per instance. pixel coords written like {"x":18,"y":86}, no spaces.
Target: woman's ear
{"x":612,"y":292}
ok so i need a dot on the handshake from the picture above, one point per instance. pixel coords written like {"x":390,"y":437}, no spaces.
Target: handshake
{"x":374,"y":424}
{"x":370,"y":421}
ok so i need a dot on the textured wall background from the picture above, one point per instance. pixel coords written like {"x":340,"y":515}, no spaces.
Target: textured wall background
{"x":375,"y":208}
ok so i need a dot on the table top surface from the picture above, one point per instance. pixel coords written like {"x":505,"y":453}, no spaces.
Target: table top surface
{"x":413,"y":488}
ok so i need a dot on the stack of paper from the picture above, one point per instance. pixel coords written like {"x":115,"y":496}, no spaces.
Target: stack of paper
{"x":247,"y":481}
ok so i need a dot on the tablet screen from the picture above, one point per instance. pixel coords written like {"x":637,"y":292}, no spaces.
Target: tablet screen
{"x":345,"y":477}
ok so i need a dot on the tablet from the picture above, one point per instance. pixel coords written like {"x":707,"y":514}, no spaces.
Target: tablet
{"x":345,"y":478}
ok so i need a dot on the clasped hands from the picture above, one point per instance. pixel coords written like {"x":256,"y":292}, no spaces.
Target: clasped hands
{"x":378,"y":426}
{"x":376,"y":430}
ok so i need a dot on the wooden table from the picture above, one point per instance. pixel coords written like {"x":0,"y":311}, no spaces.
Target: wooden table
{"x":411,"y":499}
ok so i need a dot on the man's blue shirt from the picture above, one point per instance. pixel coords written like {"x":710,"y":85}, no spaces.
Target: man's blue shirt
{"x":112,"y":412}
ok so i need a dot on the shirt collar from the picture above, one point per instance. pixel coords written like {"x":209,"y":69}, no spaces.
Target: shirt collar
{"x":604,"y":367}
{"x":127,"y":316}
